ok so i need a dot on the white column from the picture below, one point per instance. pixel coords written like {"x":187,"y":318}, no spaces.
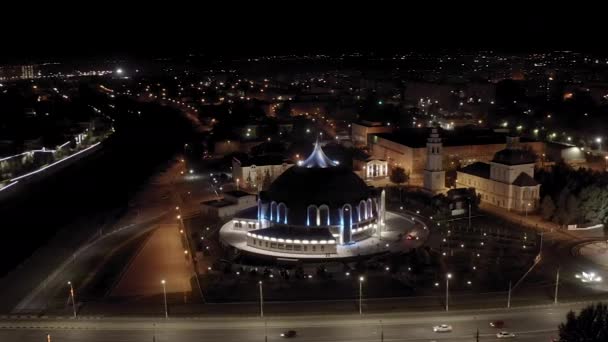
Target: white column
{"x":318,"y":216}
{"x":382,"y":206}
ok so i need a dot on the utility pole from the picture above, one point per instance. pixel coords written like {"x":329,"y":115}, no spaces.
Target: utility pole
{"x":509,"y":296}
{"x":261,"y":300}
{"x":72,"y":296}
{"x":556,"y":285}
{"x":469,"y":215}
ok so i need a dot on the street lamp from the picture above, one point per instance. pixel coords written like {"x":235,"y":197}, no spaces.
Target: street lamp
{"x":261,"y":299}
{"x":361,"y":279}
{"x":527,"y":207}
{"x":165,"y":297}
{"x":447,"y":290}
{"x":72,"y":296}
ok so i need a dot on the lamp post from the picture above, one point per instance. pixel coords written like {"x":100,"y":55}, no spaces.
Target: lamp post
{"x":361,"y":279}
{"x":527,"y":207}
{"x":469,"y":215}
{"x":598,"y":140}
{"x":72,"y":296}
{"x":509,"y":296}
{"x":447,"y":290}
{"x":163,"y":282}
{"x":261,"y":299}
{"x":556,"y":286}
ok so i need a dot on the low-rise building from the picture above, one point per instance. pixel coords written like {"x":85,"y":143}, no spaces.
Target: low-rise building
{"x":232,"y":202}
{"x":408,"y":148}
{"x":360,"y":131}
{"x":507,"y":181}
{"x":257,"y":172}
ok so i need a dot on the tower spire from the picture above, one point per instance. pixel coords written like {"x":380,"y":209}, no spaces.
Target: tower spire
{"x":318,"y":158}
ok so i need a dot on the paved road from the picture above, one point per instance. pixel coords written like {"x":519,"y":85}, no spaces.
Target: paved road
{"x":530,"y":324}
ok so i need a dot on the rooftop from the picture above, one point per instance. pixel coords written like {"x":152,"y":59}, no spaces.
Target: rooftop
{"x":478,"y":169}
{"x":524,"y":179}
{"x":514,"y":156}
{"x":237,"y":193}
{"x":218,"y":203}
{"x":268,"y":159}
{"x":317,"y":159}
{"x":417,"y":137}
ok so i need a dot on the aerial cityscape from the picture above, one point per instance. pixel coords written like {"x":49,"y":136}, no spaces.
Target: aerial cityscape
{"x":319,"y":192}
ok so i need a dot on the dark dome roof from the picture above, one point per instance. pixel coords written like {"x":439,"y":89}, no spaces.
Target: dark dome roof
{"x":302,"y":186}
{"x":511,"y":156}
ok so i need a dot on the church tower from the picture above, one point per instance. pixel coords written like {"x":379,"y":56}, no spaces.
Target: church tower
{"x":434,"y":175}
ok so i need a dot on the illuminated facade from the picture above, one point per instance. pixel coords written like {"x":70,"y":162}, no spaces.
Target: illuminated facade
{"x":434,"y":175}
{"x":507,"y":181}
{"x":313,"y":208}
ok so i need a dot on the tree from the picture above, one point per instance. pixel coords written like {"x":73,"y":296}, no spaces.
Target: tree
{"x":547,"y":207}
{"x":591,"y":325}
{"x":398,"y":175}
{"x":594,"y":204}
{"x":267,"y":181}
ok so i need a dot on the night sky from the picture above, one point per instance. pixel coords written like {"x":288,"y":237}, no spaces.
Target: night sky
{"x":167,"y":29}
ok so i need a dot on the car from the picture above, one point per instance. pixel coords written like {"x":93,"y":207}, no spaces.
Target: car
{"x":288,"y":334}
{"x":442,"y":328}
{"x":505,"y":334}
{"x":497,"y":324}
{"x":588,"y":277}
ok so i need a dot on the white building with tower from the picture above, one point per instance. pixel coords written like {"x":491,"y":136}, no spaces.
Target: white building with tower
{"x":507,"y":181}
{"x":434,"y":175}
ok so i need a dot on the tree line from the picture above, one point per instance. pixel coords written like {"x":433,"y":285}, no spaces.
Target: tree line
{"x":573,"y":196}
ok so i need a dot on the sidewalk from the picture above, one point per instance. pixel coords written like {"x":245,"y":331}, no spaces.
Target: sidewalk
{"x":530,"y":221}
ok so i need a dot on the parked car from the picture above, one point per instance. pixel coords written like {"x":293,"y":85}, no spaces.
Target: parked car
{"x":442,"y":328}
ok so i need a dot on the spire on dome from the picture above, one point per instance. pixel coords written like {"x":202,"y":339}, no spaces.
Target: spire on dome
{"x":318,"y":158}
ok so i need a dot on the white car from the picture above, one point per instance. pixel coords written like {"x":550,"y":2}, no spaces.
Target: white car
{"x":505,"y":334}
{"x":442,"y":328}
{"x":590,"y":277}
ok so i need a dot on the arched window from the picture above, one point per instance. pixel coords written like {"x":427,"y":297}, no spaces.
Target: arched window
{"x":324,"y":215}
{"x":362,"y":211}
{"x":347,"y":223}
{"x":370,"y":213}
{"x":311,"y":215}
{"x":282,"y":213}
{"x":273,"y":208}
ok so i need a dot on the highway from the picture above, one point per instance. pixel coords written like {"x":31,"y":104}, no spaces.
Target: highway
{"x":529,"y":324}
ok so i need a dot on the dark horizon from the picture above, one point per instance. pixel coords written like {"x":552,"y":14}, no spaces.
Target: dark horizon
{"x":127,"y":31}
